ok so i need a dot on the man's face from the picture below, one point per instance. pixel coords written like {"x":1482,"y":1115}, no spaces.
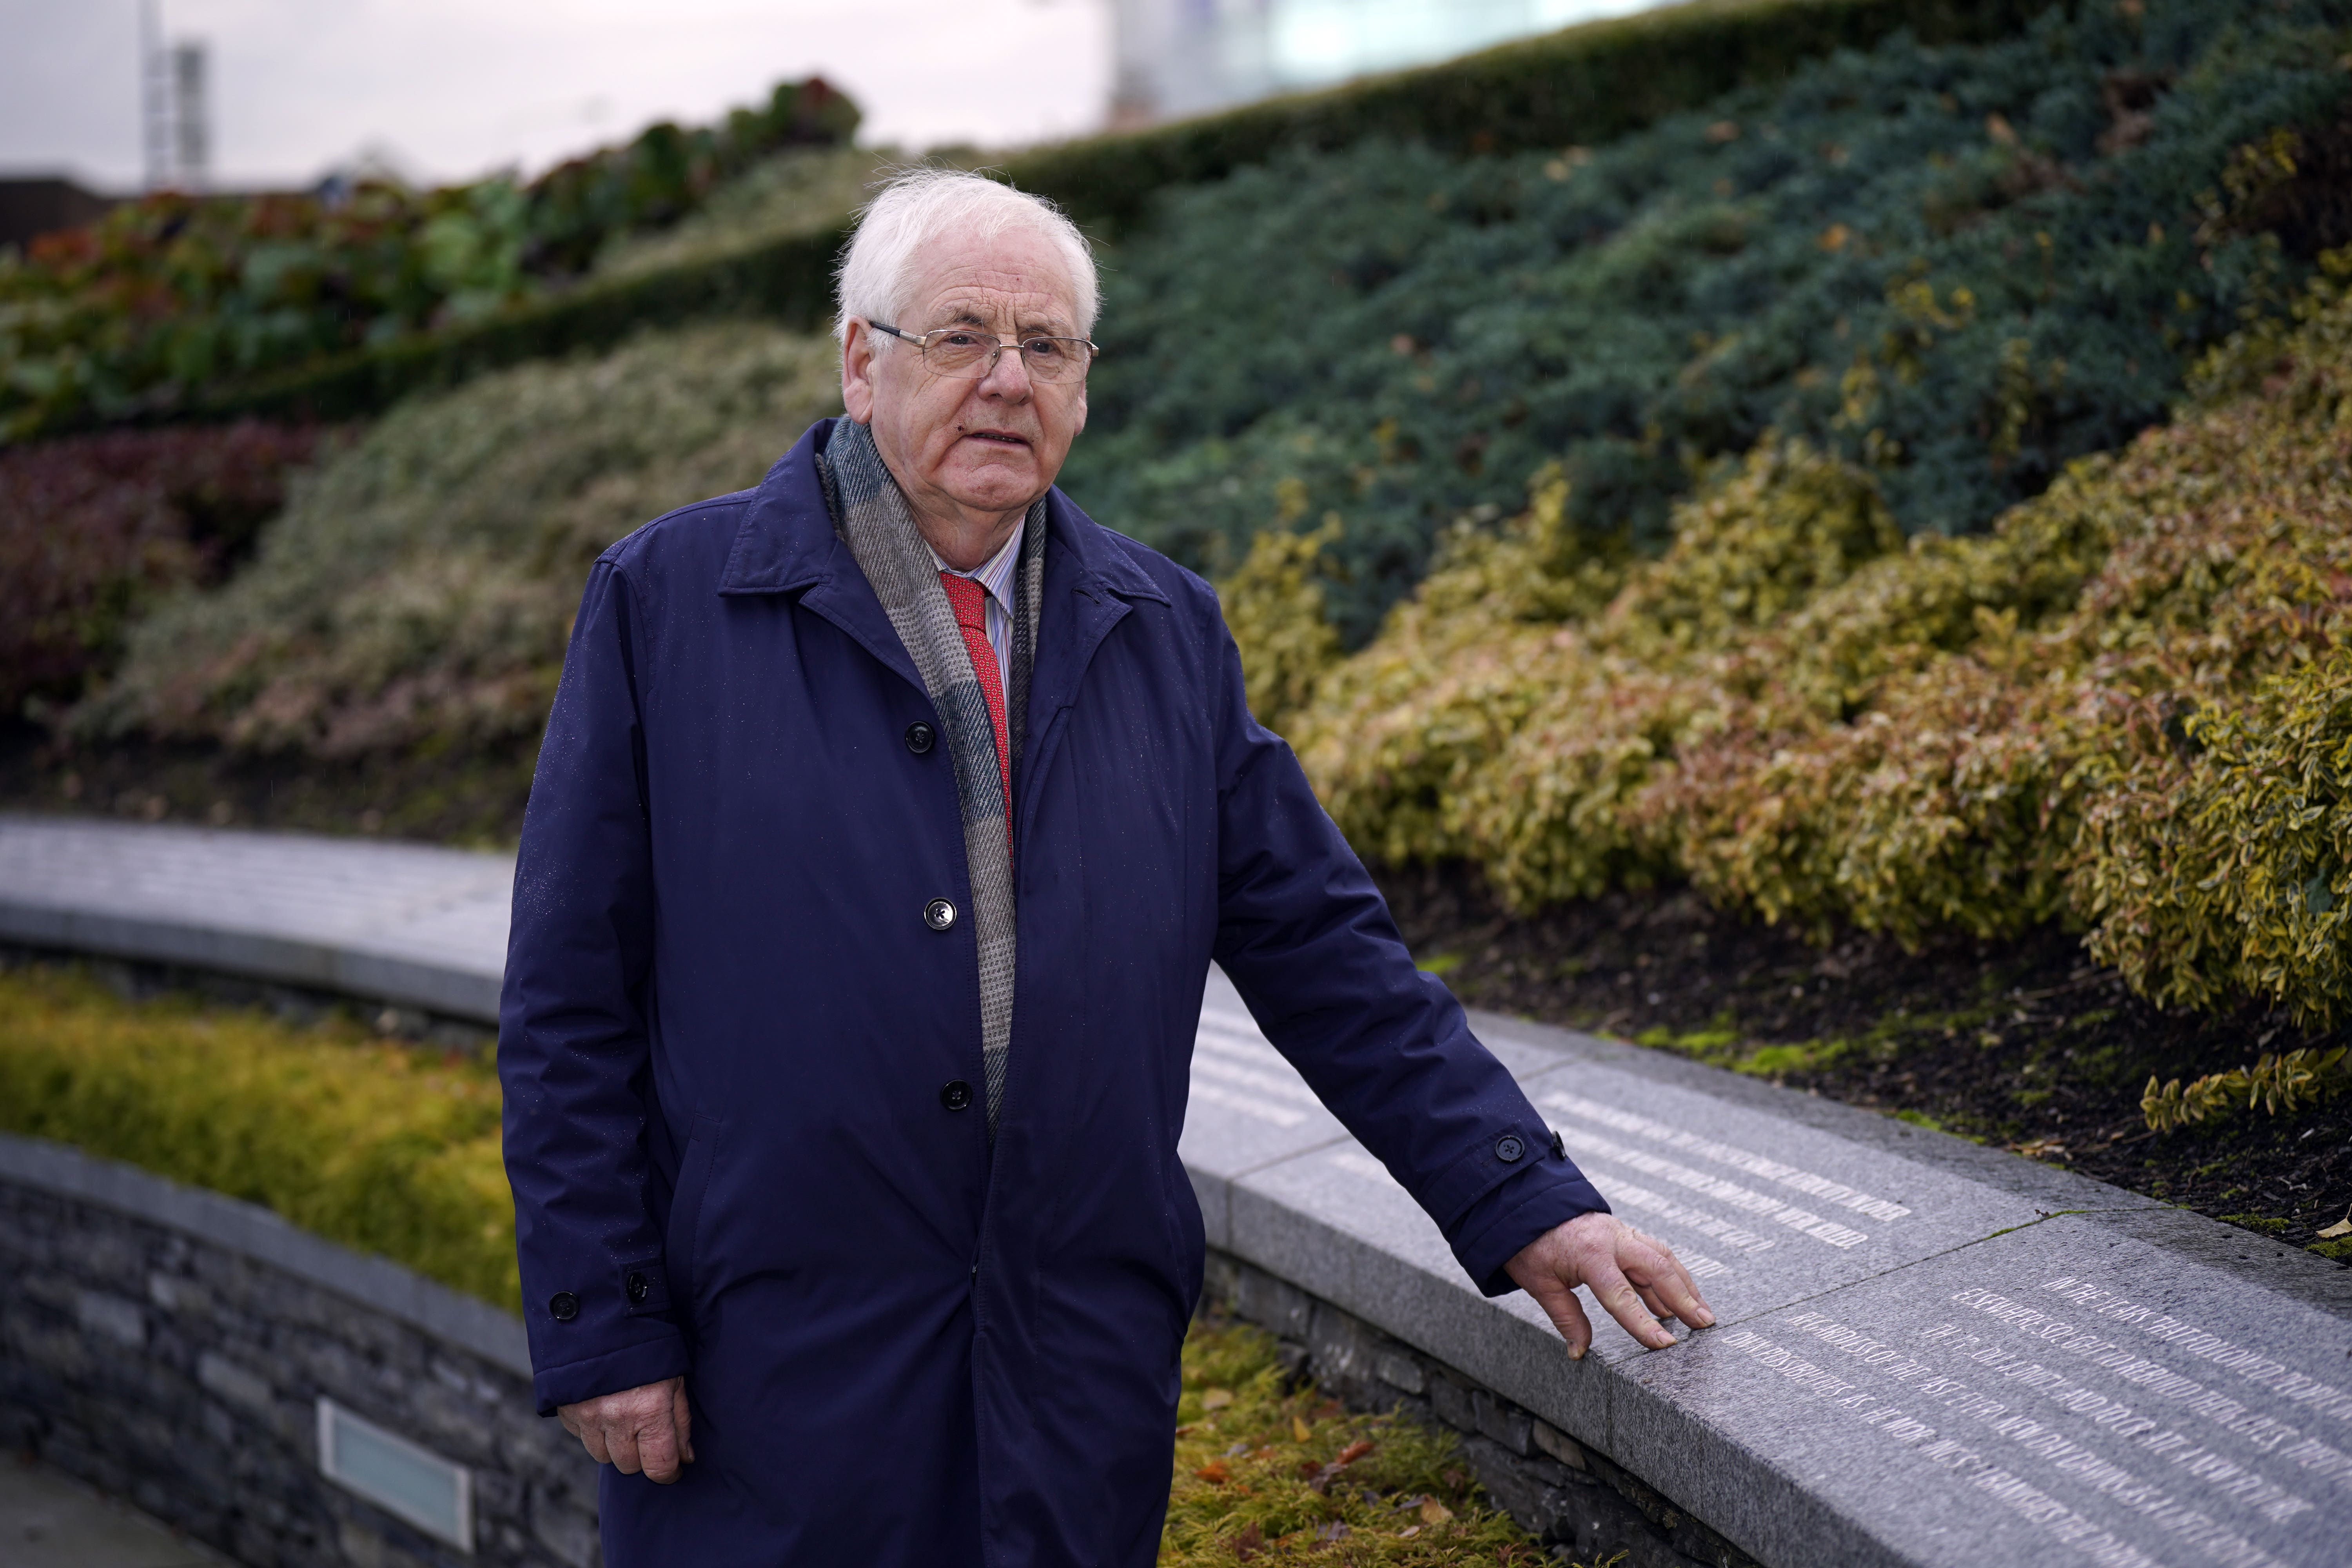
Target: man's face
{"x":964,"y":448}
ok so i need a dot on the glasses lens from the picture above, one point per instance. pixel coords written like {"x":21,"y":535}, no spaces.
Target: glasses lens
{"x":959,"y":353}
{"x":1055,"y":359}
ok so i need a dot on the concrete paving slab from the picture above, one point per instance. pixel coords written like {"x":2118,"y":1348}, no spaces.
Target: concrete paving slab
{"x":48,"y":1520}
{"x":408,"y":923}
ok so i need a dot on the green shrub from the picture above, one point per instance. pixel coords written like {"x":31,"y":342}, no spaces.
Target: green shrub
{"x":418,"y":591}
{"x":2127,"y":706}
{"x":169,"y":301}
{"x":368,"y":1143}
{"x":1274,"y":607}
{"x":2278,"y":1082}
{"x":1957,"y":267}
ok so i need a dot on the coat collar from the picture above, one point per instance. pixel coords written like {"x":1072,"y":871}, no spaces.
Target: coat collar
{"x":785,"y":542}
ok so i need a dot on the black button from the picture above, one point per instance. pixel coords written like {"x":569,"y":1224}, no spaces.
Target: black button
{"x":1559,"y":1150}
{"x":1508,"y":1148}
{"x":939,"y":914}
{"x":956,"y":1095}
{"x":563,"y":1306}
{"x":639,"y":1286}
{"x":919,"y":737}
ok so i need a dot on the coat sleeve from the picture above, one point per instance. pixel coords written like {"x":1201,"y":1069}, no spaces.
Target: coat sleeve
{"x":574,"y":1046}
{"x":1308,"y":939}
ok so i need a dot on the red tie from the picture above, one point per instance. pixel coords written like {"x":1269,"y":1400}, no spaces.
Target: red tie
{"x":970,"y":602}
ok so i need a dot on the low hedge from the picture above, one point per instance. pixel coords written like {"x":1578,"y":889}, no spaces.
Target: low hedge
{"x":787,"y":280}
{"x":1585,"y":84}
{"x":2128,"y":708}
{"x":367,"y":1143}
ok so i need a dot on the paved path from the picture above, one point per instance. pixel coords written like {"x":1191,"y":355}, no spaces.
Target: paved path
{"x":48,"y":1520}
{"x":408,"y":923}
{"x":1930,"y":1353}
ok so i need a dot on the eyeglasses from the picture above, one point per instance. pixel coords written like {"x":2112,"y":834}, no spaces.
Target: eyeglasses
{"x":969,"y":355}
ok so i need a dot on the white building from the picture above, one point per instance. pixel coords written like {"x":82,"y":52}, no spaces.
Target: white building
{"x":1176,"y":57}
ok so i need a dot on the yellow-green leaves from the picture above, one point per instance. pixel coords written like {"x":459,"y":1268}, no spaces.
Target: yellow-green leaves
{"x":373,"y":1144}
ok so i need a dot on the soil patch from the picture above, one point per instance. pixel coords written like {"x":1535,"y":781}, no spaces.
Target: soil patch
{"x":2024,"y":1044}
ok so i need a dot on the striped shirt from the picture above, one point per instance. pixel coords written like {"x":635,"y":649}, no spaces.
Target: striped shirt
{"x":996,"y":575}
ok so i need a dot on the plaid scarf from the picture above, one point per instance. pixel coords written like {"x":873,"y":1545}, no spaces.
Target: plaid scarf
{"x":870,"y":513}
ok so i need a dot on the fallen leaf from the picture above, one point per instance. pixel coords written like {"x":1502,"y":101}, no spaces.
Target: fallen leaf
{"x":1216,"y":1398}
{"x":1300,"y":1429}
{"x":1354,"y":1451}
{"x":1335,"y":1531}
{"x":1249,"y":1543}
{"x":2341,"y":1228}
{"x":1408,"y":1533}
{"x":1434,"y":1511}
{"x":1835,"y":237}
{"x":1214,"y":1472}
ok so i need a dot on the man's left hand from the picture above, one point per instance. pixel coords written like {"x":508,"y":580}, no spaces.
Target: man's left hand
{"x":1637,"y":1278}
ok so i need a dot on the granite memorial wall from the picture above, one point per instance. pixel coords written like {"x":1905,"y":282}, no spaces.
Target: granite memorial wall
{"x":1928,"y":1352}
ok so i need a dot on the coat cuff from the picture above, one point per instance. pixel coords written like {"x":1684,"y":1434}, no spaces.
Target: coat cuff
{"x":632,"y":1366}
{"x":1549,"y":1193}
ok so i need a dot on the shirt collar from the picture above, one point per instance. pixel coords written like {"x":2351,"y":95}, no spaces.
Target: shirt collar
{"x":995,"y":574}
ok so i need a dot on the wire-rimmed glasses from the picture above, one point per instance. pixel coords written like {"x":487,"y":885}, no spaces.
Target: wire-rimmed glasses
{"x":967,"y":353}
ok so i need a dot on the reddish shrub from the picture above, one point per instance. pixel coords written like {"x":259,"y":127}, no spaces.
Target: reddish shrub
{"x":92,"y":526}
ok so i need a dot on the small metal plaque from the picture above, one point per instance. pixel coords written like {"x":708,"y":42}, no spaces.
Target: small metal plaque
{"x":408,"y":1482}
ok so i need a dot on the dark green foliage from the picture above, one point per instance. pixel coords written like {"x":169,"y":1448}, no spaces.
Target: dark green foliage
{"x":1591,"y":83}
{"x":1961,"y":266}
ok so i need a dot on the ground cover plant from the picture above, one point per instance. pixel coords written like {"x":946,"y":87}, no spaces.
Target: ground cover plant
{"x":143,"y":311}
{"x":2127,"y":709}
{"x":366,"y":1141}
{"x":1961,"y":267}
{"x":389,"y":1148}
{"x":413,"y":599}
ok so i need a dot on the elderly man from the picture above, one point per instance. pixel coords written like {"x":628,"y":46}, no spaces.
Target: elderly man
{"x":889,"y":817}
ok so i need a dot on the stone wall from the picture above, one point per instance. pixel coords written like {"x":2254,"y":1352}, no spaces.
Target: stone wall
{"x":170,"y":1347}
{"x":1571,"y":1497}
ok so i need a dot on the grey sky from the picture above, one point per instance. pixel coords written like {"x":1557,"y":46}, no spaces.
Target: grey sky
{"x":458,"y":87}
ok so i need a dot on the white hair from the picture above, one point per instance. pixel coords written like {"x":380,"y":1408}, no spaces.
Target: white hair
{"x":919,"y":205}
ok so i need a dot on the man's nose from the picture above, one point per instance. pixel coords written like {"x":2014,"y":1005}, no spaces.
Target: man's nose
{"x":1008,"y":378}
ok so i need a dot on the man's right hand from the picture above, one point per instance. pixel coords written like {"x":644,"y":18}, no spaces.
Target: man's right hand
{"x":636,"y":1429}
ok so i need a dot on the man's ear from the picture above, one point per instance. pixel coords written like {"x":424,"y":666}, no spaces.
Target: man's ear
{"x":857,"y":370}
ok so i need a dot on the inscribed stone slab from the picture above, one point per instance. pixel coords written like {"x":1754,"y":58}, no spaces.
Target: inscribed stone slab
{"x":1249,"y":1106}
{"x":2063,"y":1393}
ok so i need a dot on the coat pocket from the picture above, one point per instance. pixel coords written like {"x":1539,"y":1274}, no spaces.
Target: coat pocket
{"x":686,"y":1213}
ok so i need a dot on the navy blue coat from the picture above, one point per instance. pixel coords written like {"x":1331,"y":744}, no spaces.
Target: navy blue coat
{"x":727,"y":1026}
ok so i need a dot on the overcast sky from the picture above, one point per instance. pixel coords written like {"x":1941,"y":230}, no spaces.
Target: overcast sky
{"x":454,"y":88}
